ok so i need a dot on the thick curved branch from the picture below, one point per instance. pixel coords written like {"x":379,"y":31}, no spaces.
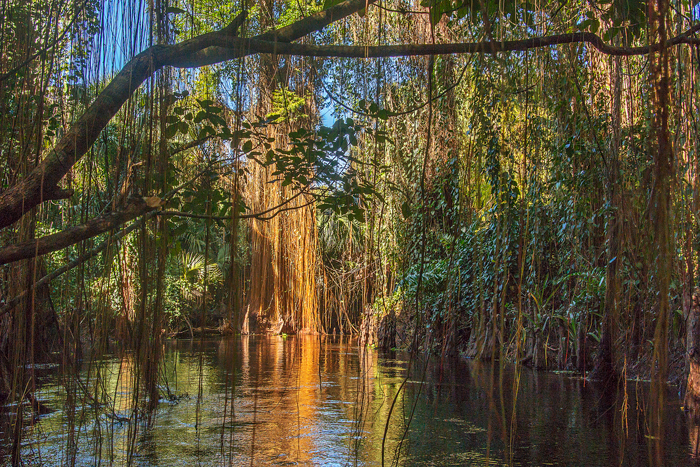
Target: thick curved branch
{"x":47,"y":244}
{"x":41,"y":184}
{"x":73,"y":235}
{"x":76,"y":262}
{"x":485,"y":47}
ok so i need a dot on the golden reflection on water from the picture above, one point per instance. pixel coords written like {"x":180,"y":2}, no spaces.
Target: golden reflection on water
{"x":315,"y":400}
{"x":297,"y":401}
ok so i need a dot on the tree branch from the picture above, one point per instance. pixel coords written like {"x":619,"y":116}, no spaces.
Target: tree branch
{"x":73,"y":235}
{"x":262,"y":215}
{"x":76,"y":262}
{"x":485,"y":47}
{"x":41,"y":184}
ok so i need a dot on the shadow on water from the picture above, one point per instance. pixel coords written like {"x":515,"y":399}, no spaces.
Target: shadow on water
{"x":323,"y":401}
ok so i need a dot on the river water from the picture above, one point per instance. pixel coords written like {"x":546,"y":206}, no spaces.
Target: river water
{"x":323,"y":401}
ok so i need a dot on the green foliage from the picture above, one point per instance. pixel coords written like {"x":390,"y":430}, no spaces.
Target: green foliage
{"x":498,"y":207}
{"x":287,"y":106}
{"x":314,"y":160}
{"x":474,"y":10}
{"x":203,"y":119}
{"x":627,"y":17}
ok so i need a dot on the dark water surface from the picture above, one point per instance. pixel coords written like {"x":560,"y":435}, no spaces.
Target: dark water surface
{"x":322,"y":401}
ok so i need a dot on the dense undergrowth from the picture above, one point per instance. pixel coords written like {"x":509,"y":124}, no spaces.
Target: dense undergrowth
{"x":538,"y":206}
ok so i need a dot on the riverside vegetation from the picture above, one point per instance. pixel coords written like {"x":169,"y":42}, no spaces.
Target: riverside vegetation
{"x":502,"y":180}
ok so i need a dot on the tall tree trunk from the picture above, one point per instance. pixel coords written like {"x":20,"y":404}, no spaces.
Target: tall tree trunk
{"x":661,"y":199}
{"x":283,"y":288}
{"x":606,"y":365}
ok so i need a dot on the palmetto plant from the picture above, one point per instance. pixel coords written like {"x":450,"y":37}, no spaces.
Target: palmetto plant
{"x":195,"y":272}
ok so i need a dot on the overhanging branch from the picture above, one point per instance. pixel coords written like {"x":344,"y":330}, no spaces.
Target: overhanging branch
{"x":76,"y":262}
{"x":485,"y":47}
{"x":73,"y":235}
{"x":42,"y":183}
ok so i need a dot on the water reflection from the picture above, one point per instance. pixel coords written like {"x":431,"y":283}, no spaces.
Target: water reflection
{"x":322,"y":401}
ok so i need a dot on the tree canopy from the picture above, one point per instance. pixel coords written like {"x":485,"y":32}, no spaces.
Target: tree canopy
{"x":502,"y":179}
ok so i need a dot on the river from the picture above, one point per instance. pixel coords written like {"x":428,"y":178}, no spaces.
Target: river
{"x":275,"y":400}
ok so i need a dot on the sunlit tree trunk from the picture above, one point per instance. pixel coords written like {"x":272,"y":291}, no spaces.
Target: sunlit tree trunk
{"x":282,"y":294}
